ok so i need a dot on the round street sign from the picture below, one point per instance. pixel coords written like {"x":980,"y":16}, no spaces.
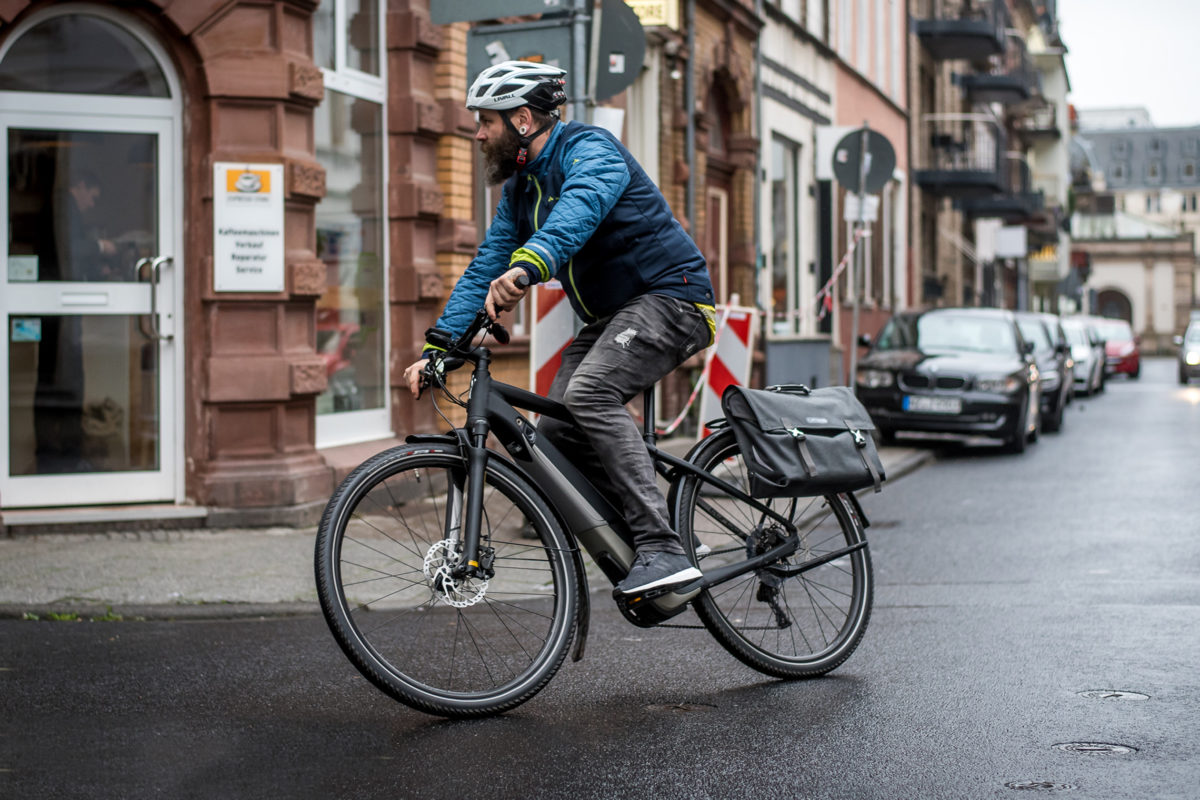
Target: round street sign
{"x":881,"y":161}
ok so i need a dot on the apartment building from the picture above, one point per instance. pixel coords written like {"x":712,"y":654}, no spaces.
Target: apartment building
{"x":988,"y":91}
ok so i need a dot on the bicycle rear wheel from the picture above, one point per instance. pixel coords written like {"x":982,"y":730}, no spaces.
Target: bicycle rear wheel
{"x":778,"y":619}
{"x":453,"y":647}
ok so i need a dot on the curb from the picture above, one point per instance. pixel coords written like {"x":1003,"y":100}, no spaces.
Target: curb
{"x":157,"y":613}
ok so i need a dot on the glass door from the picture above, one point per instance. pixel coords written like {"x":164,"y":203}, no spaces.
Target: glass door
{"x":88,"y":297}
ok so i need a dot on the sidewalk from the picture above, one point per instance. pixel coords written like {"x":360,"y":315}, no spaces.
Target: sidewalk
{"x":190,"y":574}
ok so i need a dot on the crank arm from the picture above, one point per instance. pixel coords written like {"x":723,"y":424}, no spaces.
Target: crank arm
{"x":722,"y":574}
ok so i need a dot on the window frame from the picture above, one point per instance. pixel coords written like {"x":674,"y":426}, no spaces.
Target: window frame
{"x":348,"y":427}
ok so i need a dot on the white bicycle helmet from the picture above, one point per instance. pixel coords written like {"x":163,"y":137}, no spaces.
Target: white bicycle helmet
{"x":512,"y":84}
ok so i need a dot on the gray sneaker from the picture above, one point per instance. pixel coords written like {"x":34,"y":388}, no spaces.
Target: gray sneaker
{"x":656,"y":571}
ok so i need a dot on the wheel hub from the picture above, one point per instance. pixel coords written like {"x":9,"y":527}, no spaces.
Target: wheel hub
{"x":438,"y":567}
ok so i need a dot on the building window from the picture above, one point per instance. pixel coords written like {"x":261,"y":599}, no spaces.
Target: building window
{"x":1190,"y":147}
{"x":1154,"y":172}
{"x":348,"y":129}
{"x":1120,"y":173}
{"x":1187,"y":170}
{"x":1153,"y":203}
{"x":1120,"y":148}
{"x":788,"y":285}
{"x":1156,"y":147}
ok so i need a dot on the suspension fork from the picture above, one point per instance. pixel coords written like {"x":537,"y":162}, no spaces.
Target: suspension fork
{"x":475,"y":447}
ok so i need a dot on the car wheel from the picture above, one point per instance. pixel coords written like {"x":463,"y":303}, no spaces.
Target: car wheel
{"x":1054,"y":420}
{"x":1136,"y":372}
{"x":1020,"y":434}
{"x":1183,"y":378}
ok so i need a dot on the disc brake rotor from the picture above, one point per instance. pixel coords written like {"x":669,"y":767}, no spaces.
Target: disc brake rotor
{"x":439,"y":562}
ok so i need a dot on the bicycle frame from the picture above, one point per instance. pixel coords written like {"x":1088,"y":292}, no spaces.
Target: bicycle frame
{"x":589,"y":519}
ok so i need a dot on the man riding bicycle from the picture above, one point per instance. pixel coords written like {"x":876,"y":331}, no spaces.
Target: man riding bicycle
{"x":577,"y":207}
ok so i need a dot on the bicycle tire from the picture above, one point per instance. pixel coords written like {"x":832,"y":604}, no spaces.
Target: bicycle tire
{"x":797,"y":626}
{"x":441,"y":646}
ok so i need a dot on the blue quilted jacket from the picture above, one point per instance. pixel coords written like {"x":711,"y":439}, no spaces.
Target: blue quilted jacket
{"x":586,"y":213}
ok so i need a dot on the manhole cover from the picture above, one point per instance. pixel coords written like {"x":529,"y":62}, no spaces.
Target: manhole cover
{"x":1106,"y":748}
{"x":1040,"y":786}
{"x":1113,"y":694}
{"x":680,"y":708}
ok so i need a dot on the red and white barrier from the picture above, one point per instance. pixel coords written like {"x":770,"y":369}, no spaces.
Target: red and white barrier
{"x":729,"y":359}
{"x":551,"y":330}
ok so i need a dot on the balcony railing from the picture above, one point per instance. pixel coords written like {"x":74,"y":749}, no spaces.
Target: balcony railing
{"x":1009,"y":79}
{"x":959,"y":155}
{"x":1039,"y":123}
{"x":1018,"y":201}
{"x":963,"y":29}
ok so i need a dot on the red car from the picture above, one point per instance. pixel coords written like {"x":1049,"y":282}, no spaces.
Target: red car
{"x":1122,"y":352}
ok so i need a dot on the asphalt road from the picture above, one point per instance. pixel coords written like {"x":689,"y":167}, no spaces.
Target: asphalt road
{"x":1018,"y":597}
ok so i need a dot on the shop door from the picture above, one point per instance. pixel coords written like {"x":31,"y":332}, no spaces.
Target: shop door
{"x":88,"y":371}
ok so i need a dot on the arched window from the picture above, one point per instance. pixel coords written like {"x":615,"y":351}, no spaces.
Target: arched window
{"x":81,"y":54}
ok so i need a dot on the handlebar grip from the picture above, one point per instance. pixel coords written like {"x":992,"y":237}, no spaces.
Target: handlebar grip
{"x":522,"y":281}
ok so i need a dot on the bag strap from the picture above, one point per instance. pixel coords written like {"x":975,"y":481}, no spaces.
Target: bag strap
{"x":806,"y":459}
{"x":860,"y":441}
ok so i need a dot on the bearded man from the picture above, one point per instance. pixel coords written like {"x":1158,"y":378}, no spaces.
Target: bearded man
{"x":578,"y":208}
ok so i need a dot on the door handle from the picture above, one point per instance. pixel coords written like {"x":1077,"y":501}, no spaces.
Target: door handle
{"x":155,"y":265}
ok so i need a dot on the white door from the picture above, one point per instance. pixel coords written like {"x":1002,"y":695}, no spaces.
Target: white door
{"x":90,"y":301}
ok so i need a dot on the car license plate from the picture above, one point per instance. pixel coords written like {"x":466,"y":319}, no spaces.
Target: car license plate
{"x":933,"y":405}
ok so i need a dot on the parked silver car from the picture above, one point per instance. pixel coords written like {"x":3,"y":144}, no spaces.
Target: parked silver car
{"x":1088,"y":351}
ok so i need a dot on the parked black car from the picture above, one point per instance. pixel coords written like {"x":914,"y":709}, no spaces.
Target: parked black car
{"x":1055,"y":364}
{"x":965,"y":371}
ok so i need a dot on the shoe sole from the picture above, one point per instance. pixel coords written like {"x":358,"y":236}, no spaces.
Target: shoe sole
{"x":679,"y":578}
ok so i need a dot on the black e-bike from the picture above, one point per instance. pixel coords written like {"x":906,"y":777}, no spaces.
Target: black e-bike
{"x":452,"y":571}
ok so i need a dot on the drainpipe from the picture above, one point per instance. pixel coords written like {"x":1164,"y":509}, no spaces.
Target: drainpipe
{"x":689,"y":106}
{"x":759,"y":259}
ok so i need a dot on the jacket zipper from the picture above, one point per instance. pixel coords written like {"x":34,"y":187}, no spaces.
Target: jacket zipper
{"x":537,"y":225}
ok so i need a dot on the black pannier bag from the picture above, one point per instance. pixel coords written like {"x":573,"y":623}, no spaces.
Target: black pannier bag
{"x":798,"y":442}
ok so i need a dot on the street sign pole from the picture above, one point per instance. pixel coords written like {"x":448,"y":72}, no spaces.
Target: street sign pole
{"x":579,"y":60}
{"x":856,"y":280}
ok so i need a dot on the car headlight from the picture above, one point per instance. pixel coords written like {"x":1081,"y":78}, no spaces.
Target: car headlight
{"x":1007,"y":384}
{"x":875,"y":378}
{"x":1125,"y":349}
{"x":1193,"y":357}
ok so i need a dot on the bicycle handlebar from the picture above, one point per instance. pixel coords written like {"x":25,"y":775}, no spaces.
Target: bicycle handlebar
{"x":454,"y":353}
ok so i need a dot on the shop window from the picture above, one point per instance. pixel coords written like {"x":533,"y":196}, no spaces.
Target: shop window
{"x":351,"y":223}
{"x":82,"y":54}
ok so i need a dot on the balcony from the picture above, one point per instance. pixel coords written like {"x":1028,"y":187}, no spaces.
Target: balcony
{"x":1010,"y":78}
{"x":1017,"y":202}
{"x":1039,"y":124}
{"x":973,"y":30}
{"x":958,"y":155}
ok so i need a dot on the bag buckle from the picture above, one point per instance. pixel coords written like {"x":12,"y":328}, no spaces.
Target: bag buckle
{"x":859,"y":439}
{"x":796,"y":433}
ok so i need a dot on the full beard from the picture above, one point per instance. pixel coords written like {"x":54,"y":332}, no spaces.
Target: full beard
{"x":500,"y":157}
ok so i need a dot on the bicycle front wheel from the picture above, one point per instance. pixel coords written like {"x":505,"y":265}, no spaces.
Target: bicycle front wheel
{"x":458,"y":647}
{"x":796,"y":618}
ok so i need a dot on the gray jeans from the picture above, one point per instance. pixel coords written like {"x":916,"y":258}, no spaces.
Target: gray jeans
{"x":609,"y":363}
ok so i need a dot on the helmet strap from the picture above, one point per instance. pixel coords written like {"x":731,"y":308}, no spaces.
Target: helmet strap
{"x":525,"y":139}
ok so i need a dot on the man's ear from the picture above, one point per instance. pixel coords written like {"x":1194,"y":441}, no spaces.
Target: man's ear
{"x":523,"y":120}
